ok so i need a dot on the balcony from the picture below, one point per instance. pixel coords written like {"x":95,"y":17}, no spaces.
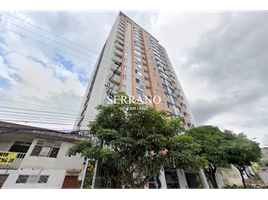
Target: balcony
{"x":121,"y":28}
{"x":120,"y":36}
{"x":144,"y":62}
{"x":16,"y":162}
{"x":178,"y":92}
{"x":121,"y":32}
{"x":145,"y":68}
{"x":143,"y":56}
{"x":120,"y":41}
{"x":171,"y":109}
{"x":117,"y":59}
{"x":148,"y":92}
{"x":115,"y":89}
{"x":116,"y":79}
{"x":119,"y":46}
{"x":146,"y":75}
{"x":114,"y":67}
{"x":147,"y":83}
{"x":188,"y":119}
{"x":122,"y":25}
{"x":184,"y":109}
{"x":118,"y":53}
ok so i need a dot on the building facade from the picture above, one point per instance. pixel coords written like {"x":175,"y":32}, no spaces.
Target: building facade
{"x":133,"y":61}
{"x":36,"y":158}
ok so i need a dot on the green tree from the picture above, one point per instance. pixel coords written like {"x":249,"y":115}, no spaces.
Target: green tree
{"x":242,"y":152}
{"x":214,"y":147}
{"x":138,"y":141}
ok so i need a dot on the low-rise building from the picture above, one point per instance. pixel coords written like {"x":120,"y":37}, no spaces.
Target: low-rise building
{"x":33,"y":157}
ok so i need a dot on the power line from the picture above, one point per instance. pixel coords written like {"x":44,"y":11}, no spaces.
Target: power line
{"x":56,"y":35}
{"x":209,"y":116}
{"x":50,"y":32}
{"x":13,"y":108}
{"x":46,"y":45}
{"x":48,"y":38}
{"x":37,"y":105}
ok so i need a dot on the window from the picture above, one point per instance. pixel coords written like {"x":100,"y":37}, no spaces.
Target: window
{"x":125,"y":60}
{"x":153,"y":74}
{"x":159,"y":84}
{"x":164,"y":103}
{"x":125,"y":68}
{"x":157,"y":91}
{"x":126,"y":53}
{"x":155,"y":69}
{"x":139,"y":84}
{"x":125,"y":77}
{"x":124,"y":88}
{"x":150,"y":61}
{"x":20,"y":147}
{"x":45,"y":148}
{"x":32,"y":179}
{"x":138,"y":74}
{"x":140,"y":95}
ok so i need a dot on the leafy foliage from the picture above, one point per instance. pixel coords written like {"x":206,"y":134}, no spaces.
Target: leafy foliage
{"x":222,"y":149}
{"x":138,"y":141}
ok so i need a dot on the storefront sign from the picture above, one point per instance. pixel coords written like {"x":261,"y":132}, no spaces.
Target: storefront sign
{"x":7,"y":157}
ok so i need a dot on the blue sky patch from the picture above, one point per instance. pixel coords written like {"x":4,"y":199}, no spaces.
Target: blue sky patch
{"x":37,"y":60}
{"x":83,"y":80}
{"x":4,"y":83}
{"x":66,"y":63}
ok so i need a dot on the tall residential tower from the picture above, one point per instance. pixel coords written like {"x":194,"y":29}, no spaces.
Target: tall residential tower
{"x":133,"y":61}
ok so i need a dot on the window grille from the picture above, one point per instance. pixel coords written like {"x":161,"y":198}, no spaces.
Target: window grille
{"x":43,"y":179}
{"x":41,"y":149}
{"x":54,"y":152}
{"x":36,"y":150}
{"x":40,"y":142}
{"x":22,"y":179}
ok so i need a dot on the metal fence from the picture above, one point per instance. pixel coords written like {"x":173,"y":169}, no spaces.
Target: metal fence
{"x":15,"y":164}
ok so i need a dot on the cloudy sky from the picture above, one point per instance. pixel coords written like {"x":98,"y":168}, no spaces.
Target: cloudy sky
{"x":46,"y":60}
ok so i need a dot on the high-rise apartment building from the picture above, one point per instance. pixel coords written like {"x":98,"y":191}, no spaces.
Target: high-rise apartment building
{"x":133,"y":61}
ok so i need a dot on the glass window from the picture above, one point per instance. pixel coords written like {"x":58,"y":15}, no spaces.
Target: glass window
{"x":157,"y":91}
{"x":164,"y":103}
{"x":159,"y":84}
{"x":140,"y":95}
{"x":155,"y":69}
{"x":153,"y":74}
{"x":125,"y":77}
{"x":150,"y":61}
{"x":124,"y":88}
{"x":125,"y":60}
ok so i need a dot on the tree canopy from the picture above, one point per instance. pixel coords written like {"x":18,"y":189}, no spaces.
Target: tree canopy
{"x":138,"y":141}
{"x":222,"y":149}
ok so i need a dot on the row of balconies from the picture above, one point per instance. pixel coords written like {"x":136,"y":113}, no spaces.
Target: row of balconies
{"x":116,"y":69}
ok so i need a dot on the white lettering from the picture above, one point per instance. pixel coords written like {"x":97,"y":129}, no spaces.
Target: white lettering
{"x":139,"y":99}
{"x":110,"y":101}
{"x":115,"y":99}
{"x":123,"y":99}
{"x":131,"y":99}
{"x":159,"y":99}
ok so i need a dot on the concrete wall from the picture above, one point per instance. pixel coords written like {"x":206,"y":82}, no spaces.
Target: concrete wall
{"x":34,"y":165}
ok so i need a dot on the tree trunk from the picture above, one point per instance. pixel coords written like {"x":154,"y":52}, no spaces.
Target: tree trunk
{"x":211,"y":176}
{"x":215,"y":184}
{"x":241,"y":169}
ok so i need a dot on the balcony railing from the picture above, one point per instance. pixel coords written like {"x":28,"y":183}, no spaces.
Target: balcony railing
{"x":16,"y":162}
{"x":119,"y":46}
{"x":146,"y":75}
{"x":120,"y":36}
{"x":117,"y":59}
{"x":116,"y":79}
{"x":147,"y":83}
{"x":145,"y":68}
{"x":114,"y":67}
{"x":149,"y":92}
{"x":118,"y":53}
